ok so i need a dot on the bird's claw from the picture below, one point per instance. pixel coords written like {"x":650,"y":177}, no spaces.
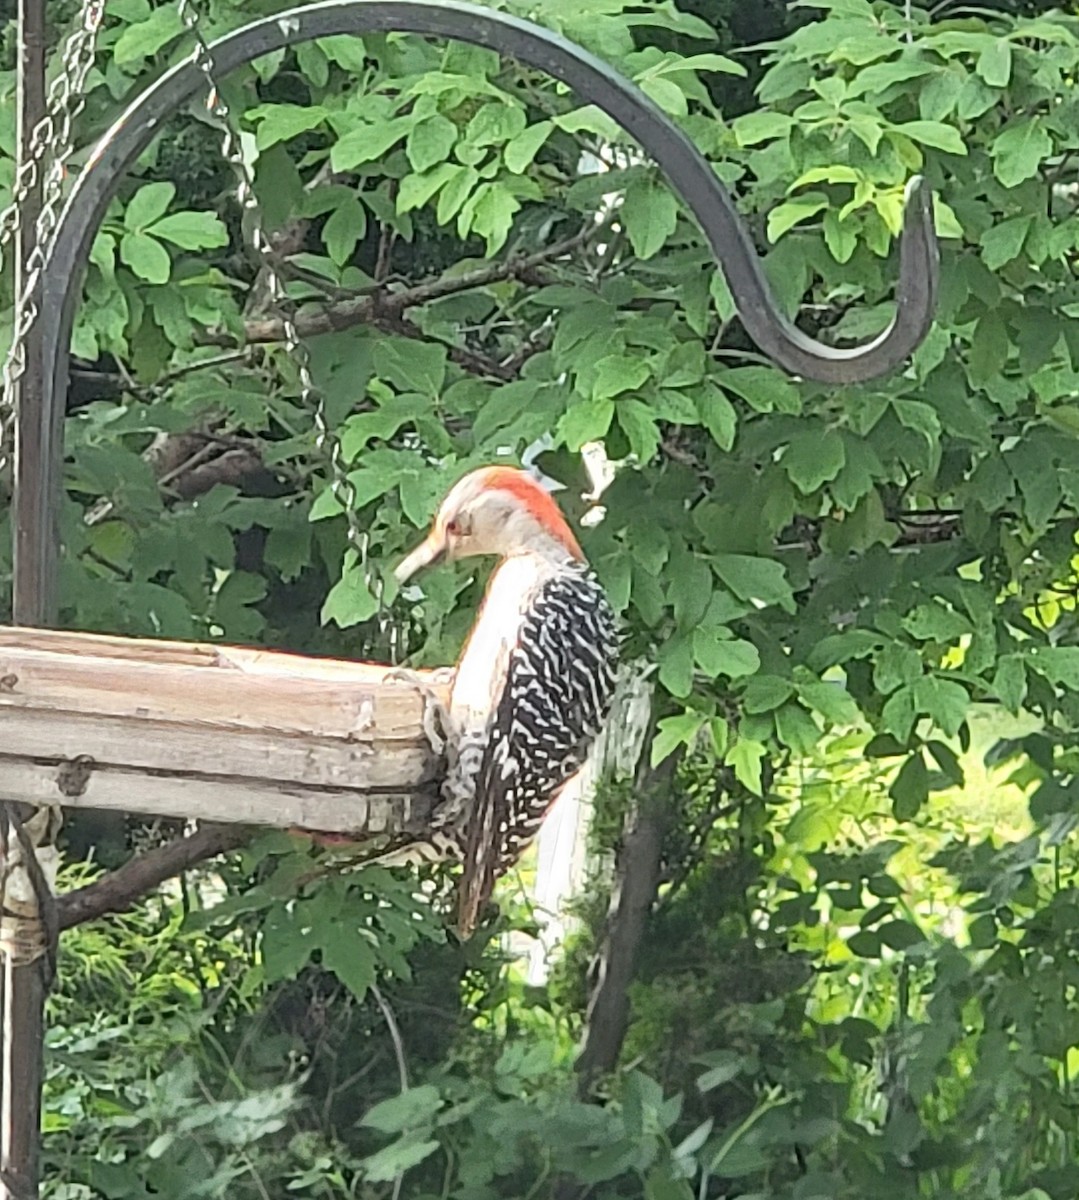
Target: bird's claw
{"x":435,"y":717}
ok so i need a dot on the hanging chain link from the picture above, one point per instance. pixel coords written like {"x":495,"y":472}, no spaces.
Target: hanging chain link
{"x":311,"y":397}
{"x":51,"y":141}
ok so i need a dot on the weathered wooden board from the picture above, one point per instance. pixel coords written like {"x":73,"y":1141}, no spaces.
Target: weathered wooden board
{"x":219,"y":733}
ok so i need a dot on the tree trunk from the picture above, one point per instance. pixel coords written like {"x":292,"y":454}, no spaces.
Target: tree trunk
{"x":637,"y":878}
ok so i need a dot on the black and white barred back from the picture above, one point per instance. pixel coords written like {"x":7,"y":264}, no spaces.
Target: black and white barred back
{"x":556,"y":698}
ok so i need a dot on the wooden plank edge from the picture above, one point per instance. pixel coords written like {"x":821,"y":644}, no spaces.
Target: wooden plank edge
{"x":203,"y":655}
{"x":214,"y":798}
{"x":147,"y":746}
{"x":297,"y":703}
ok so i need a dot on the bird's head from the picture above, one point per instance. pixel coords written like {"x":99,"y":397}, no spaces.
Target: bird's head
{"x":495,"y":510}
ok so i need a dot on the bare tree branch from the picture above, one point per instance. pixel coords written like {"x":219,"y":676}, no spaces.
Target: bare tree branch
{"x":380,"y":306}
{"x":123,"y":888}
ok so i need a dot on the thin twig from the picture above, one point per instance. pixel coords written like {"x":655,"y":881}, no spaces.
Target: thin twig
{"x":395,"y":1036}
{"x":372,"y":308}
{"x":402,"y":1063}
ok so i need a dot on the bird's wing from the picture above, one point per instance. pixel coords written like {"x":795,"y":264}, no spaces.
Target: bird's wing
{"x":558,"y":692}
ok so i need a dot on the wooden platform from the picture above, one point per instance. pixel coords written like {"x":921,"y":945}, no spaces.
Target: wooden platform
{"x":210,"y":732}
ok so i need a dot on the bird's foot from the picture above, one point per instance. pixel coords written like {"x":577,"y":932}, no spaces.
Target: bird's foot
{"x":436,"y":722}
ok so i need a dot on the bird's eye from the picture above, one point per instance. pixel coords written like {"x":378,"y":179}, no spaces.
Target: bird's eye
{"x":453,"y":528}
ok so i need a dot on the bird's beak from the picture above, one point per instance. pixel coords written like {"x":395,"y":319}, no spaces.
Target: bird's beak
{"x":430,"y":551}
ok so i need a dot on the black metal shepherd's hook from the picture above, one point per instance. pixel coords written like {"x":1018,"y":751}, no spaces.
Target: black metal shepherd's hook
{"x":41,"y":441}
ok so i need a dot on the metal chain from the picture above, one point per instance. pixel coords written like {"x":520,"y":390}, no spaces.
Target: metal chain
{"x":52,"y":140}
{"x":311,"y":397}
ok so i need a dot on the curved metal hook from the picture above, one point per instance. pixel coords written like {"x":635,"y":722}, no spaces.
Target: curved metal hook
{"x":688,"y":171}
{"x":41,"y":442}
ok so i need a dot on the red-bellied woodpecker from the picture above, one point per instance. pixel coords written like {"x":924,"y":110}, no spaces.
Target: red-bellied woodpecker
{"x":534,"y":682}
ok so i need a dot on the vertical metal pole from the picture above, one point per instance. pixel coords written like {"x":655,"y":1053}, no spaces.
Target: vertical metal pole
{"x":33,"y":603}
{"x":35,"y":515}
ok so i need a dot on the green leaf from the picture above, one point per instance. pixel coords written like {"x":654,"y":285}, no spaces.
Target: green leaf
{"x":896,"y":664}
{"x":900,"y":935}
{"x":350,"y":957}
{"x":141,"y":41}
{"x":757,"y":127}
{"x":430,"y":141}
{"x":1010,"y":682}
{"x":918,"y":416}
{"x":690,"y":589}
{"x":910,"y":788}
{"x":995,"y":63}
{"x":832,"y":701}
{"x":725,"y":1065}
{"x":392,"y":1162}
{"x":935,"y":622}
{"x":900,"y":713}
{"x":672,"y":732}
{"x":283,"y":122}
{"x":288,"y":549}
{"x":765,"y":389}
{"x":650,"y":215}
{"x":668,"y":95}
{"x":640,"y":428}
{"x":1020,"y":150}
{"x":884,"y":75}
{"x":717,"y":415}
{"x":344,"y":227}
{"x":865,"y":943}
{"x":814,"y":458}
{"x":522,"y":150}
{"x":454,"y":194}
{"x":948,"y":762}
{"x":703,"y":62}
{"x":840,"y":236}
{"x":417,"y":190}
{"x":368,"y":143}
{"x":1059,"y":664}
{"x":414,"y":1108}
{"x":493,"y":209}
{"x":495,"y":123}
{"x":616,"y":374}
{"x":676,"y":666}
{"x":988,"y":349}
{"x":1004,"y":242}
{"x":590,"y":119}
{"x":667,"y":16}
{"x":349,"y":600}
{"x":766,"y":692}
{"x":586,"y":421}
{"x":192,"y":230}
{"x":943,"y":700}
{"x":935,"y":134}
{"x":718,"y":655}
{"x":745,"y":757}
{"x":868,"y":130}
{"x":758,"y":579}
{"x":411,"y":366}
{"x":797,"y":729}
{"x":285,"y":949}
{"x":793,"y":212}
{"x":148,"y":205}
{"x":346,"y":50}
{"x":146,"y":257}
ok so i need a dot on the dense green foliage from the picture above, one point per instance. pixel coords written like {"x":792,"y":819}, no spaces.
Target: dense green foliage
{"x":860,"y":973}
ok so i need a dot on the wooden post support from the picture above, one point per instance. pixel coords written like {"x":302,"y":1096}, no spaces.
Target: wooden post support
{"x":25,"y":980}
{"x":214,"y":733}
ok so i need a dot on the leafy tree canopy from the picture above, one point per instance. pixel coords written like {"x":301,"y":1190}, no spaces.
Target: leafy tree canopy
{"x":858,"y":977}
